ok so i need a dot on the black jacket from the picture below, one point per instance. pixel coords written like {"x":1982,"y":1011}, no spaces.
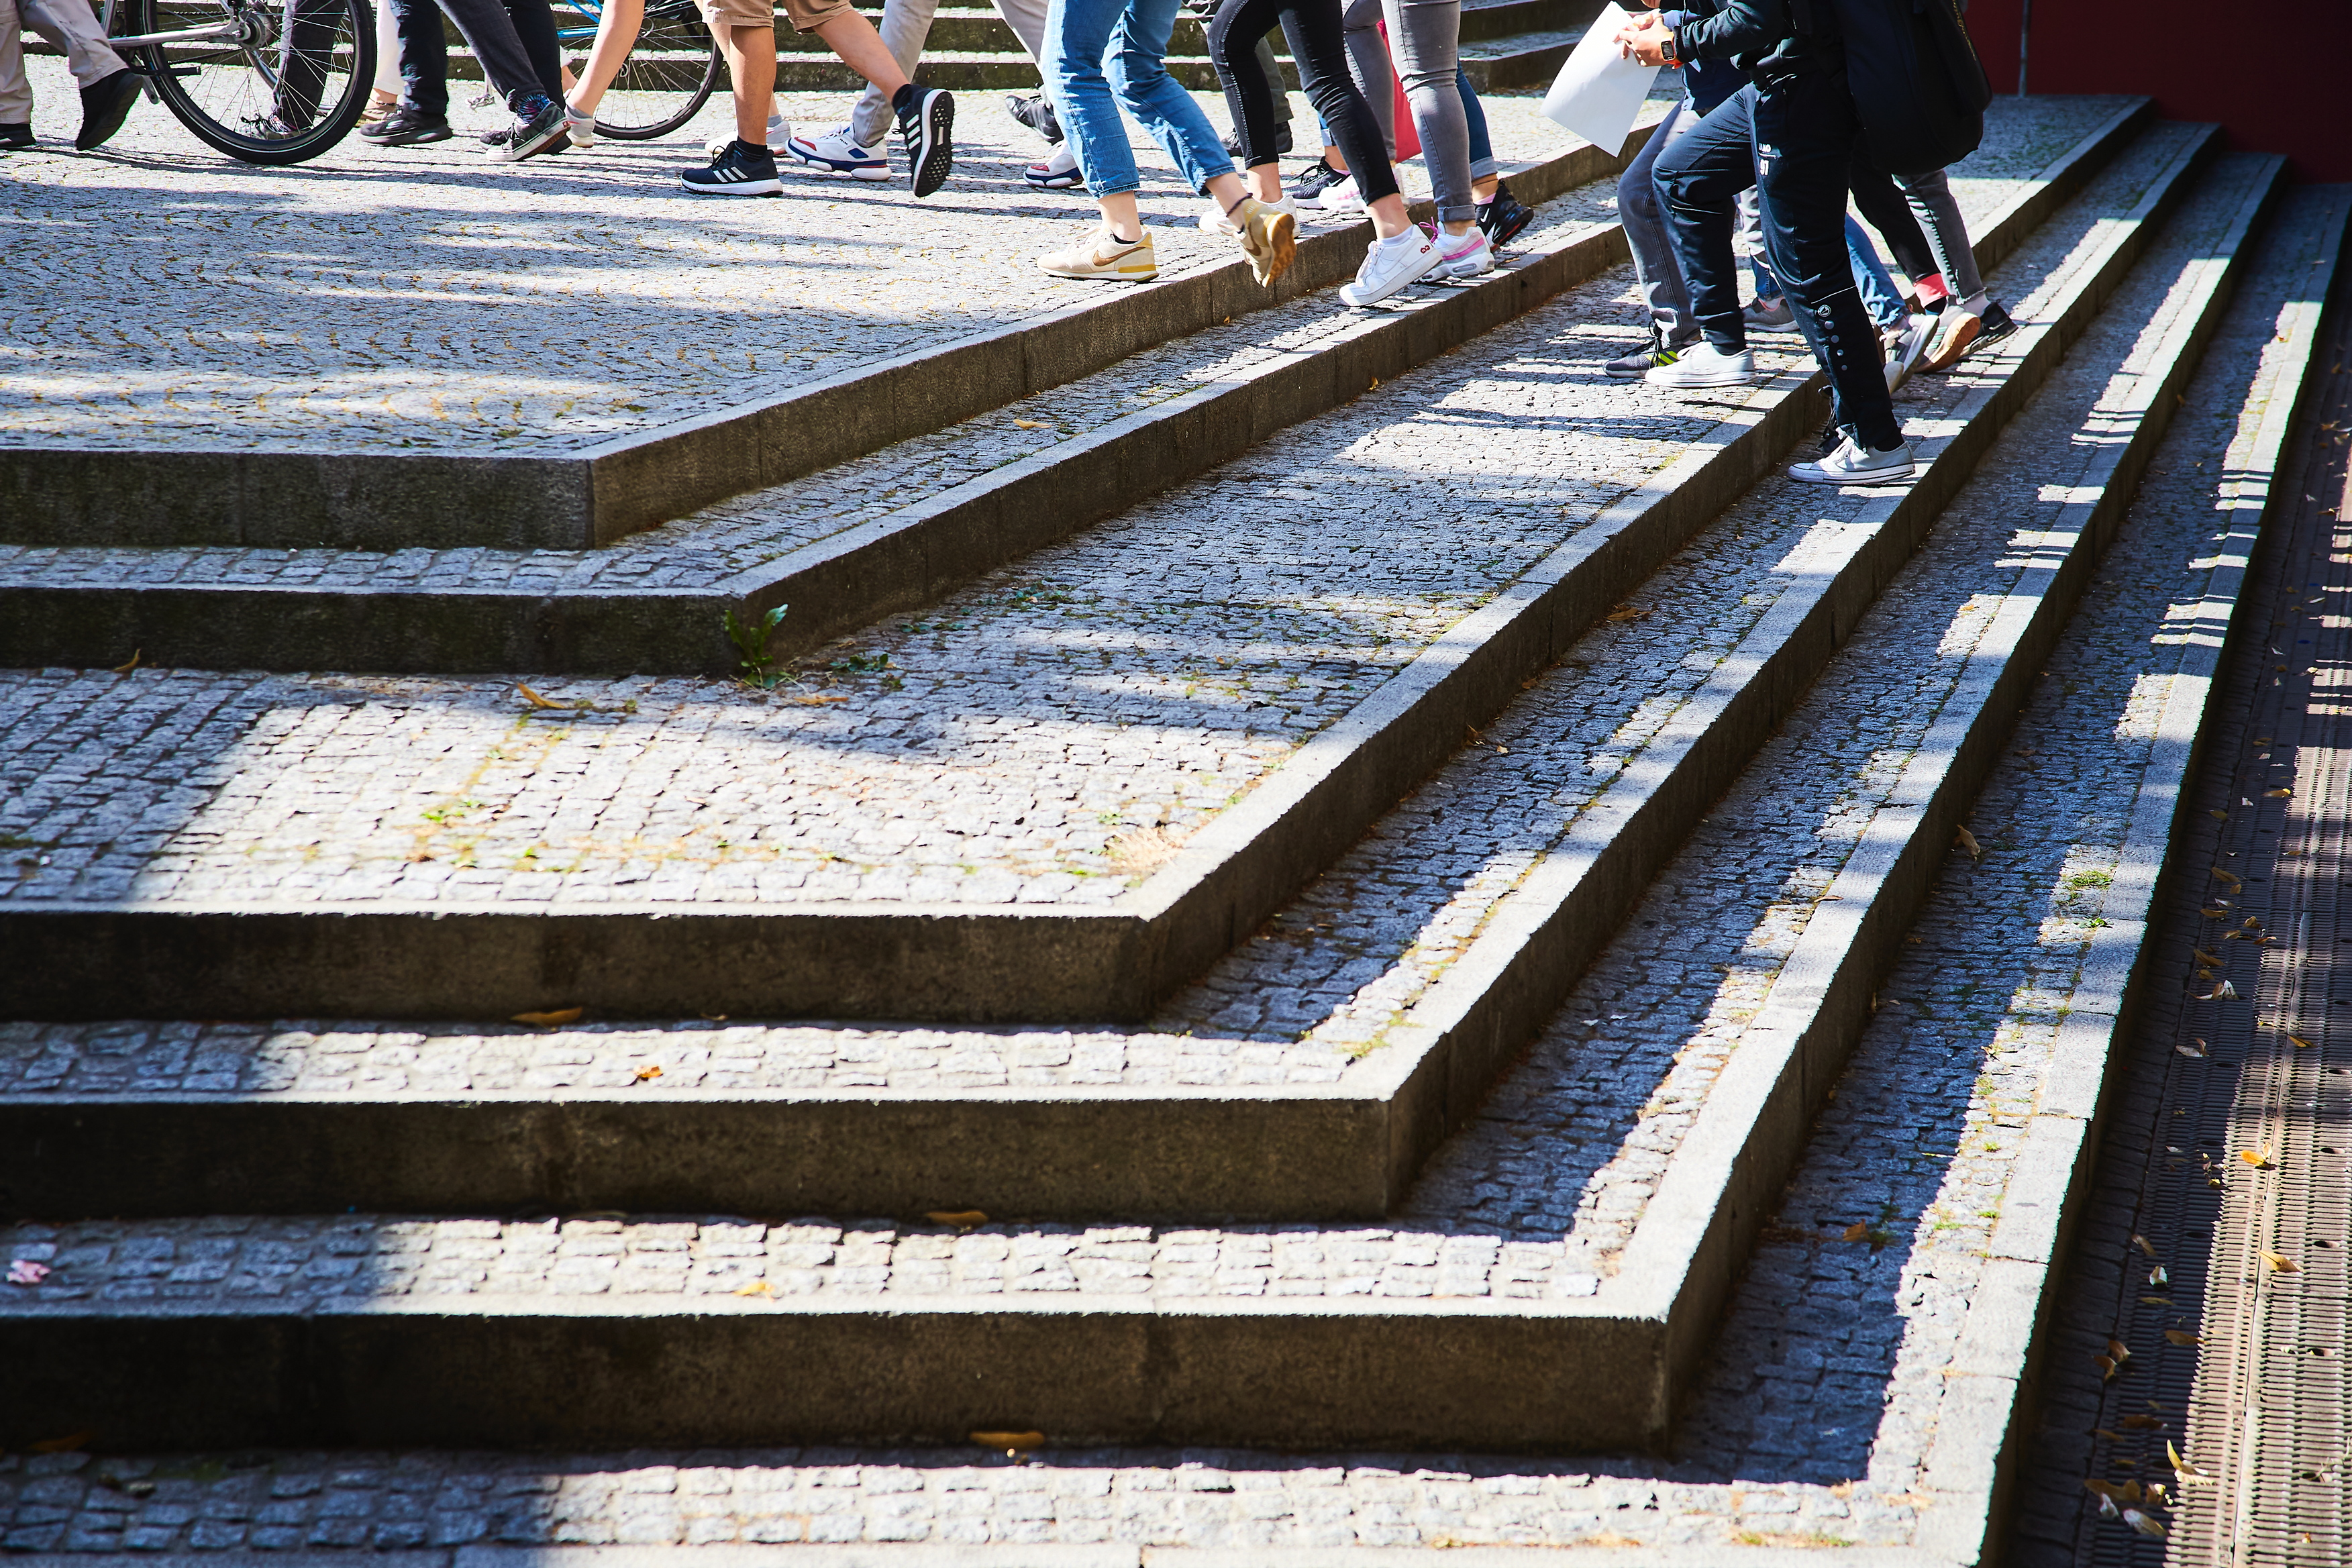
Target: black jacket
{"x":1768,"y":38}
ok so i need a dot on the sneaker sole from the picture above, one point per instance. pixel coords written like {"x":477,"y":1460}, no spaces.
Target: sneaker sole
{"x":515,"y":152}
{"x":935,"y":154}
{"x":1281,"y":248}
{"x":412,"y":137}
{"x":1953,"y":353}
{"x":873,"y":174}
{"x":1101,"y":276}
{"x":1910,"y":472}
{"x":1753,"y":378}
{"x":1390,"y":292}
{"x":1069,"y":182}
{"x":741,"y":188}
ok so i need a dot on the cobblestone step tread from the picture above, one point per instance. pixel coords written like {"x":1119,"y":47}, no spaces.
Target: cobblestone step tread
{"x":579,"y":457}
{"x":1429,"y":1329}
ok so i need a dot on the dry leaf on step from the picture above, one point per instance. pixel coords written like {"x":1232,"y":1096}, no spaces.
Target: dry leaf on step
{"x":1031,"y":425}
{"x":647,"y":1073}
{"x":2147,"y":1524}
{"x":2120,"y":1350}
{"x":1968,"y":841}
{"x":2156,"y":1276}
{"x":2282,"y":1264}
{"x":2142,"y":1243}
{"x":821,"y":702}
{"x":1018,"y":1442}
{"x":1625,"y":612}
{"x":2183,"y":1337}
{"x":2121,"y":1491}
{"x":2228,"y":876}
{"x":2203,"y":956}
{"x":554,"y":1018}
{"x":1858,"y":1231}
{"x":962,"y":1218}
{"x":2277,"y":794}
{"x":2197,"y":1049}
{"x":533,"y":698}
{"x":756,"y":1288}
{"x":2187,"y":1474}
{"x":2299,"y":1043}
{"x":2258,"y":1158}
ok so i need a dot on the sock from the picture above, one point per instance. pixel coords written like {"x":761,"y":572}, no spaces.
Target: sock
{"x":1409,"y":237}
{"x":903,"y":98}
{"x":775,"y":124}
{"x":1974,"y":303}
{"x":749,"y":150}
{"x":572,"y":114}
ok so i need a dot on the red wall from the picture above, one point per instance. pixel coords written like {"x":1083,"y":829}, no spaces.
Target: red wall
{"x":2285,"y":91}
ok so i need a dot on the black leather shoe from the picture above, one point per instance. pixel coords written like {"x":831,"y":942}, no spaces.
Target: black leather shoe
{"x":105,"y":105}
{"x":14,"y":137}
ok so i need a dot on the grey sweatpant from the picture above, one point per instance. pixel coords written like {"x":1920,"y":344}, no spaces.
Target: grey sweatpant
{"x":1655,"y":268}
{"x":72,"y":28}
{"x":1930,"y":196}
{"x":906,"y":28}
{"x":1426,"y":36}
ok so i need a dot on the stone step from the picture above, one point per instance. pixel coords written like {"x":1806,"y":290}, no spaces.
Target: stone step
{"x":569,"y":487}
{"x":1336,"y":1102}
{"x":947,"y":849}
{"x":944,"y":508}
{"x":1657,"y":1147}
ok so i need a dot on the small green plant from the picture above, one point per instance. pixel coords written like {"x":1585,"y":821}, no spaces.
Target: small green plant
{"x":860,"y":665}
{"x":759,"y":667}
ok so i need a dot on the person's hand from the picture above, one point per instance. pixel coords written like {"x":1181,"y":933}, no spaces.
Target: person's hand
{"x":1645,"y":41}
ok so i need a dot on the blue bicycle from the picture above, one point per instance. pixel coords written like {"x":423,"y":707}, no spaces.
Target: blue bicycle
{"x":668,"y":74}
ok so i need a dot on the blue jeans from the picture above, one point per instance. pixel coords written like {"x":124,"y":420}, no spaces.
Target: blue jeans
{"x":1870,"y":275}
{"x":1105,"y":55}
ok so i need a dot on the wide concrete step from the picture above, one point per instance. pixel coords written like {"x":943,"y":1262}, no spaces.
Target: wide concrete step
{"x":1321,"y":1107}
{"x":1551,"y":1283}
{"x":1062,"y":817}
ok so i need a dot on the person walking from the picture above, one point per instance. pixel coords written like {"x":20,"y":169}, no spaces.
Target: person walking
{"x":1401,"y":252}
{"x":1673,"y":329}
{"x":855,"y":148}
{"x":108,"y":88}
{"x":1792,"y":133}
{"x":1423,"y":38}
{"x":513,"y":40}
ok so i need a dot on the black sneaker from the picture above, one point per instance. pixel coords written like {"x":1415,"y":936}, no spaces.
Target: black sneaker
{"x":105,"y":105}
{"x":1504,"y":218}
{"x":1308,"y":188}
{"x":1996,"y":325}
{"x":1036,"y":114}
{"x":538,"y":120}
{"x":15,"y":138}
{"x":407,"y":126}
{"x":739,"y":170}
{"x":926,"y":128}
{"x":1233,"y":142}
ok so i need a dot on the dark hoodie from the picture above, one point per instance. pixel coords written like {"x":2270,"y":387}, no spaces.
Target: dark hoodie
{"x":1770,"y":39}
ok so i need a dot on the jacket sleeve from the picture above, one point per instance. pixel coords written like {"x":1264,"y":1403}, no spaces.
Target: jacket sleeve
{"x":1732,"y":27}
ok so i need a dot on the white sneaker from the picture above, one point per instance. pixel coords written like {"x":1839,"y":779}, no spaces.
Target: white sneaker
{"x":1461,"y":255}
{"x":1058,"y":171}
{"x":1391,"y":265}
{"x":1853,"y":464}
{"x":836,"y":154}
{"x":1909,"y":343}
{"x":1704,"y":365}
{"x":780,"y":136}
{"x":582,"y":128}
{"x":1342,"y":198}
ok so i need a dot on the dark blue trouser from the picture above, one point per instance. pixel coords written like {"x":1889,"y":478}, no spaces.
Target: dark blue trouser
{"x":515,"y":43}
{"x":1794,"y":138}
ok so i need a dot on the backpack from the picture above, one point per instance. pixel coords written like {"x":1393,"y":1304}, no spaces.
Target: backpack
{"x":1917,"y":86}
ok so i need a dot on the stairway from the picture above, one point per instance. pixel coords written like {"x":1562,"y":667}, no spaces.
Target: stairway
{"x":1181,"y":960}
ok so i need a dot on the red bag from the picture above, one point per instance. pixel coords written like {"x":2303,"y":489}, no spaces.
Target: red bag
{"x":1408,"y":135}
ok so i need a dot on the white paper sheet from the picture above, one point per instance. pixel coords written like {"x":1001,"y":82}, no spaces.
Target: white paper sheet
{"x":1598,"y":91}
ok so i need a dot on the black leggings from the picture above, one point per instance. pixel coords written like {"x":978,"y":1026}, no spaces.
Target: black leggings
{"x":1320,"y":45}
{"x":1883,"y":208}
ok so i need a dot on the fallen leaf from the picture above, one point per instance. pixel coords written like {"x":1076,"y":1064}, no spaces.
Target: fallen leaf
{"x":962,"y":1218}
{"x":2107,"y":1367}
{"x":2120,"y":1350}
{"x":821,"y":702}
{"x":2119,"y":1491}
{"x":2111,"y":1436}
{"x":1858,"y":1231}
{"x":126,"y":669}
{"x":2250,"y":924}
{"x":2142,"y":1423}
{"x":2147,"y":1524}
{"x":2188,"y":1474}
{"x":647,"y":1073}
{"x":756,"y":1288}
{"x":2156,"y":1276}
{"x":1625,"y":612}
{"x":2155,"y":1300}
{"x":2203,"y":956}
{"x":2282,"y":1264}
{"x":2156,"y":1494}
{"x":553,"y":1019}
{"x":2228,"y":876}
{"x":2217,"y":813}
{"x":2142,"y":1243}
{"x":2224,"y":992}
{"x":533,"y":698}
{"x":1016,"y":1442}
{"x":1031,"y":425}
{"x":1968,"y":841}
{"x":65,"y":1445}
{"x":2277,"y":794}
{"x":2299,"y":1043}
{"x":2183,"y":1337}
{"x":2258,"y":1158}
{"x":25,"y":1272}
{"x":2192,"y":1051}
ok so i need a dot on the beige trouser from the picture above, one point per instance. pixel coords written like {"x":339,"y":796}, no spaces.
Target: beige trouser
{"x":71,"y":27}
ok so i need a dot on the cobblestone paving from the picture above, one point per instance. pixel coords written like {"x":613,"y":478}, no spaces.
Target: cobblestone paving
{"x":1573,"y":1140}
{"x":420,"y":298}
{"x":1813,"y":1410}
{"x":1297,"y":1004}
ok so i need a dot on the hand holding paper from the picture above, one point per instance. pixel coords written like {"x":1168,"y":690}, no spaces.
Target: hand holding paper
{"x":1598,"y":91}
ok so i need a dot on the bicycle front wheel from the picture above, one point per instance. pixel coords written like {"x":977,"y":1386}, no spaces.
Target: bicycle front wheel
{"x":666,"y":77}
{"x":280,"y":82}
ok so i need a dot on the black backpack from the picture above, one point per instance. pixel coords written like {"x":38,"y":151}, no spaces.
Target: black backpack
{"x":1917,"y":86}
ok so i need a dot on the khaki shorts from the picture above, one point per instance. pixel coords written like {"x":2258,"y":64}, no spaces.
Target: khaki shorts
{"x":805,"y":15}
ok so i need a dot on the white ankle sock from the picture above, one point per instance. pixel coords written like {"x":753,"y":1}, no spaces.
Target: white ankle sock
{"x":1409,"y":237}
{"x":1974,"y":303}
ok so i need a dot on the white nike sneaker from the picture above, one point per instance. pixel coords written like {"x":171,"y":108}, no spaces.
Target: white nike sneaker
{"x":1389,"y":266}
{"x":1853,"y":464}
{"x":1704,"y":365}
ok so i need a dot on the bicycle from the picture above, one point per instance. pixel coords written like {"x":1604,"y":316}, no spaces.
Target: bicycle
{"x":670,"y":73}
{"x":252,"y":77}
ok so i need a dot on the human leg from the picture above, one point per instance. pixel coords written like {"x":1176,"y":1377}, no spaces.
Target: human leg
{"x":1654,"y":271}
{"x":1871,"y":278}
{"x":617,"y":25}
{"x":1424,"y":36}
{"x":387,"y":53}
{"x":1027,"y":20}
{"x":1929,"y":196}
{"x":906,"y":28}
{"x":108,"y":88}
{"x":1319,"y":42}
{"x":1699,"y":179}
{"x":1805,"y":131}
{"x":490,"y":34}
{"x":1234,"y":31}
{"x":1369,"y":68}
{"x":534,"y":26}
{"x":16,"y":91}
{"x":1883,"y":208}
